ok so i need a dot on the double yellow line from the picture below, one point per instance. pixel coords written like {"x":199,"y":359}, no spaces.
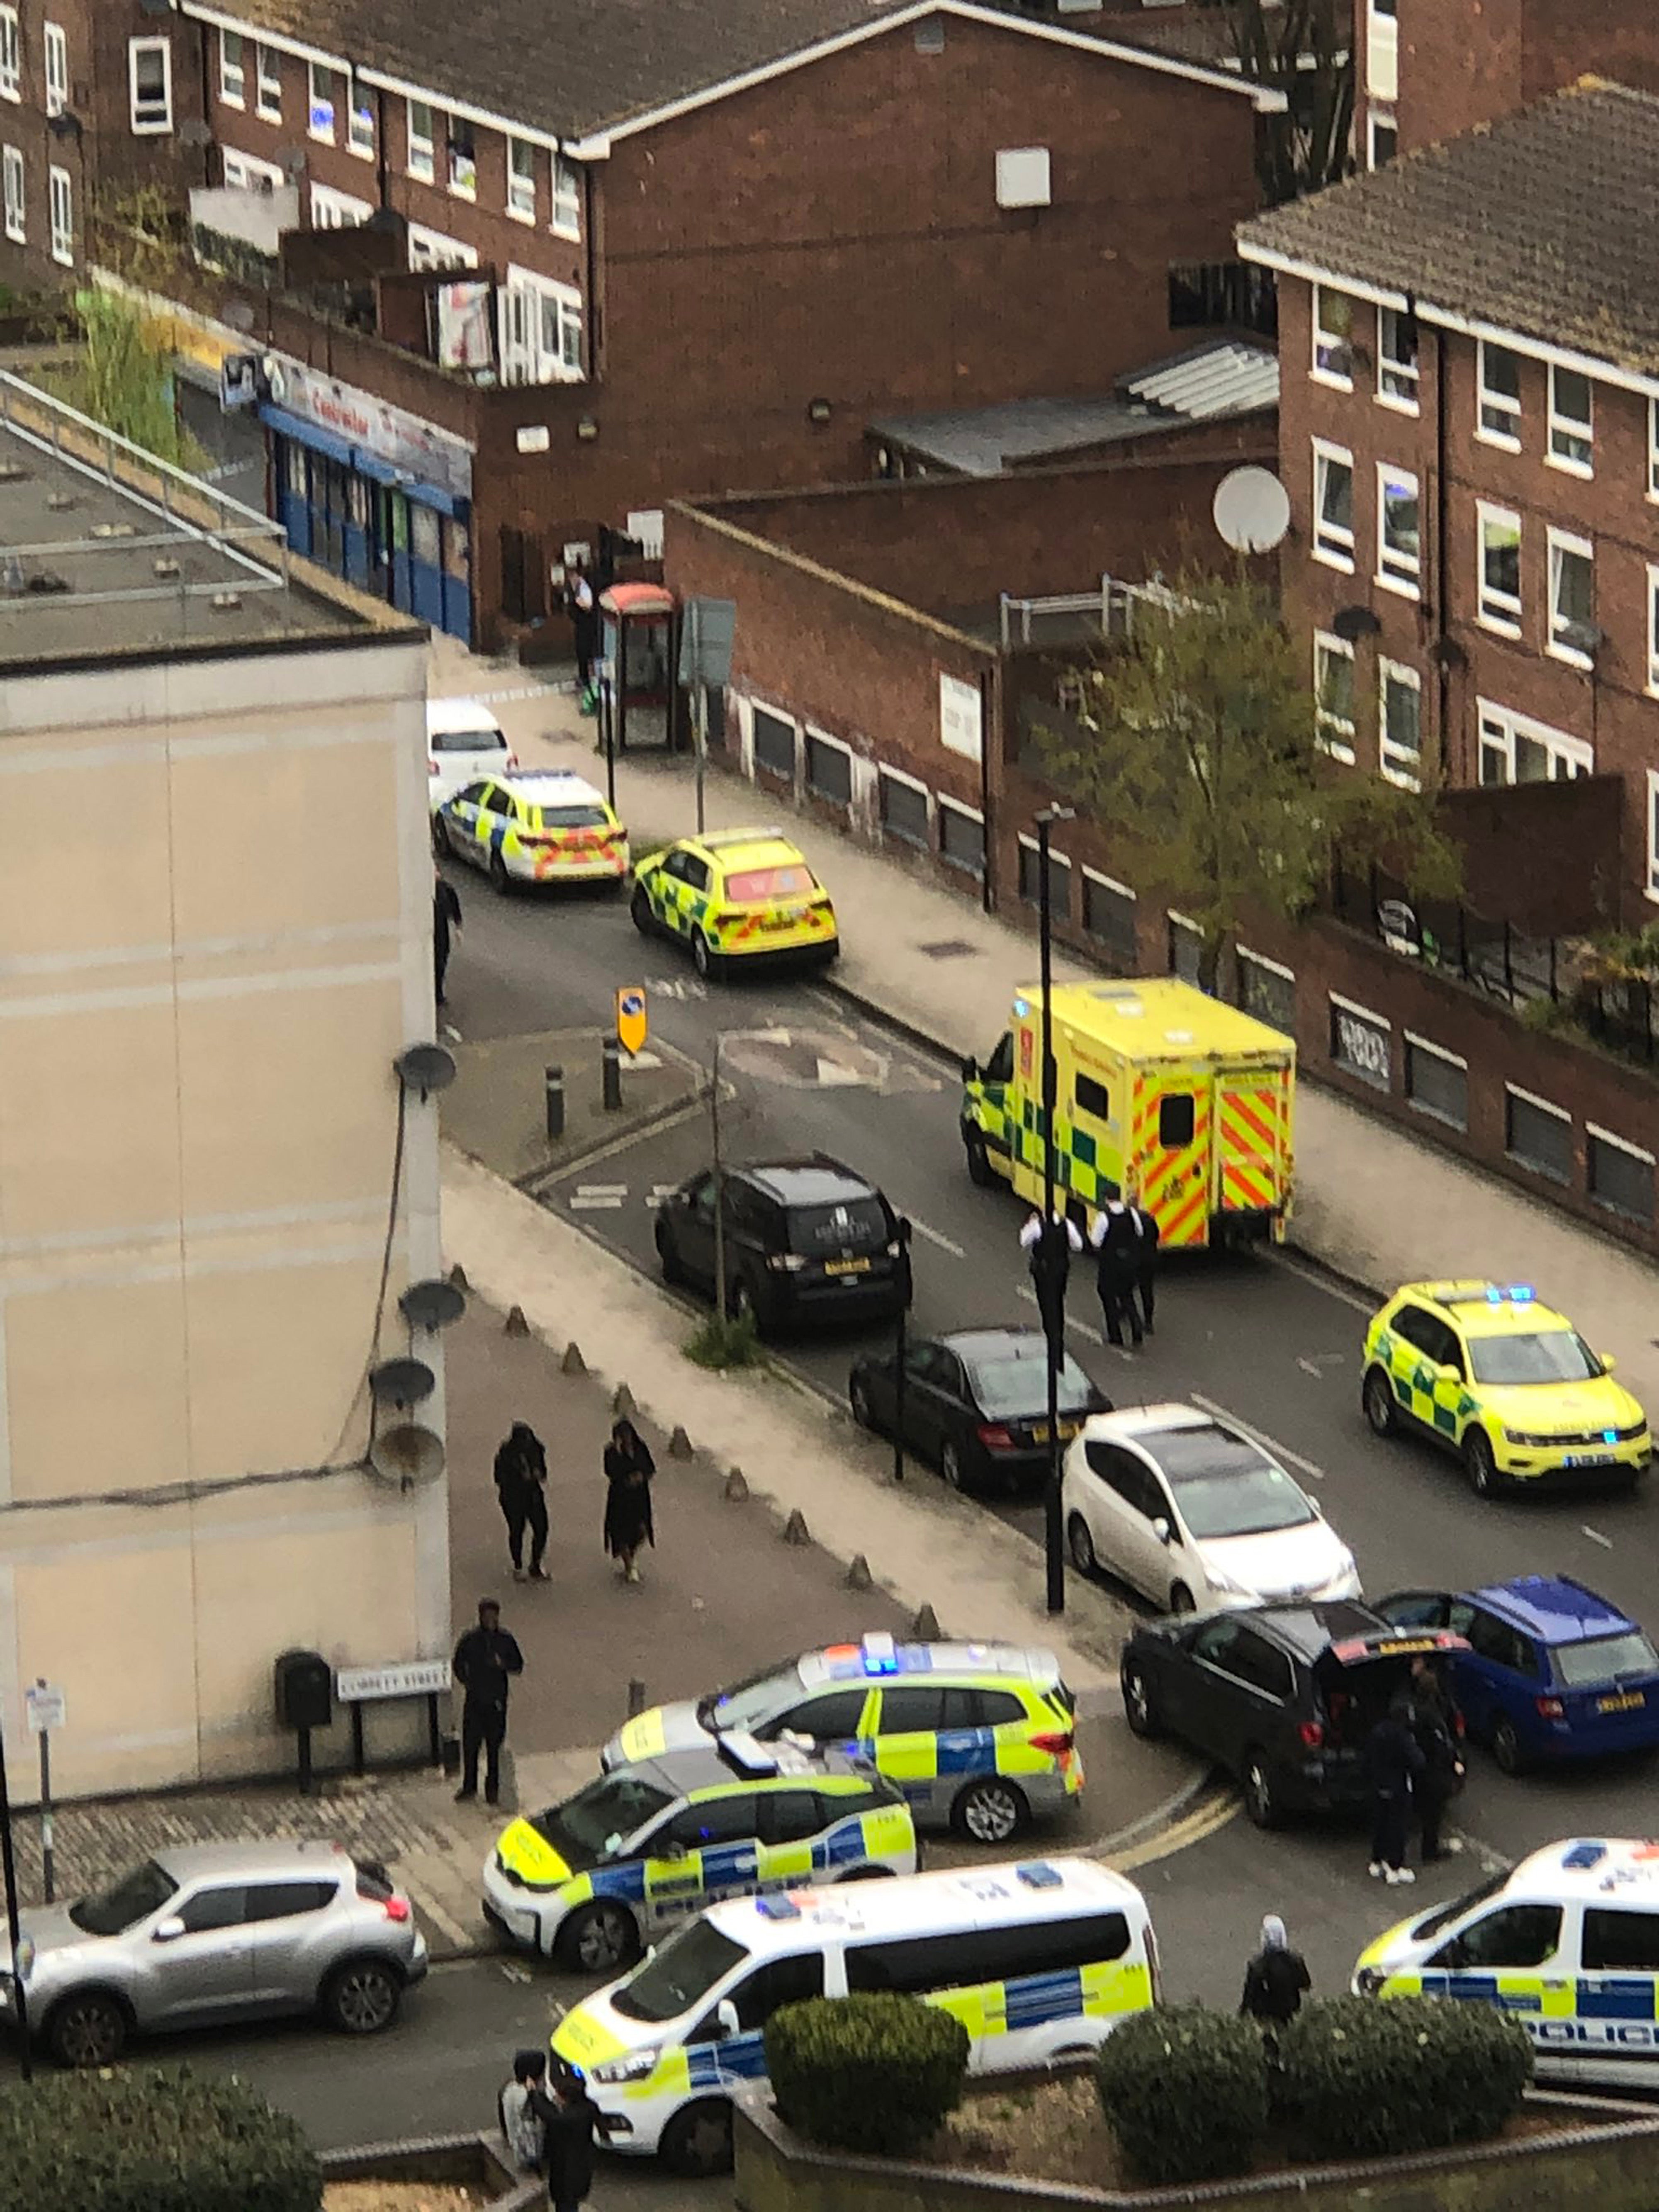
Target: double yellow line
{"x":1220,"y":1805}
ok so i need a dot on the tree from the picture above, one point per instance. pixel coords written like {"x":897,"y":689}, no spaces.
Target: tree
{"x":1197,"y":742}
{"x":124,"y":379}
{"x":1305,"y":49}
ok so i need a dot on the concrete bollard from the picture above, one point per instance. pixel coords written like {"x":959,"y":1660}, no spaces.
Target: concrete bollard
{"x":573,"y":1362}
{"x":610,"y":1074}
{"x":925,"y":1627}
{"x":516,"y":1323}
{"x":858,"y":1576}
{"x":635,"y":1697}
{"x":795,"y":1530}
{"x":679,"y":1444}
{"x":737,"y":1487}
{"x":621,"y":1402}
{"x":458,"y":1278}
{"x":553,"y":1100}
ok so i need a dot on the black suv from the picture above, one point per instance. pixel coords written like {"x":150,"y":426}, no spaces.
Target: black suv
{"x":806,"y":1240}
{"x":1282,"y":1696}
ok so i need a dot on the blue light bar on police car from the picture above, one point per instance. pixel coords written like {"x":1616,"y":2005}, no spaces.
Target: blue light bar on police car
{"x":880,"y":1654}
{"x":1515,"y":1294}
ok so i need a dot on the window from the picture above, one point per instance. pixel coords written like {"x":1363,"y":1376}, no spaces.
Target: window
{"x":149,"y":84}
{"x":780,"y":1981}
{"x":1499,"y":373}
{"x":1514,"y":750}
{"x":1619,"y":1943}
{"x":832,"y":1719}
{"x":1108,"y":916}
{"x":1360,"y":1043}
{"x":1514,"y":1935}
{"x":1620,"y":1174}
{"x":1030,"y":878}
{"x":11,"y":165}
{"x":1653,"y":630}
{"x":60,"y":197}
{"x":1573,"y":634}
{"x":1267,"y":991}
{"x":1538,"y":1134}
{"x":962,"y":837}
{"x":1653,"y":774}
{"x":1177,"y":1118}
{"x":422,"y":157}
{"x":283,"y":1900}
{"x":1092,"y":1097}
{"x":567,"y":198}
{"x":912,"y":1708}
{"x":211,"y":1909}
{"x":430,"y":249}
{"x":1333,"y":506}
{"x":521,"y":179}
{"x":1383,"y":50}
{"x":541,"y":330}
{"x":1399,"y":723}
{"x":1384,"y":134}
{"x":1252,"y":1660}
{"x":332,"y":210}
{"x":1398,"y":546}
{"x":715,"y":1820}
{"x":360,"y":120}
{"x":1438,"y":1082}
{"x":1185,"y":948}
{"x":1333,"y":338}
{"x":463,"y":162}
{"x":1572,"y":421}
{"x":246,"y":174}
{"x":11,"y":58}
{"x":829,"y":769}
{"x":1500,"y":569}
{"x":1334,"y":695}
{"x":904,"y":811}
{"x":55,"y":42}
{"x":268,"y":83}
{"x":232,"y":69}
{"x":1396,"y":357}
{"x":775,"y":743}
{"x":323,"y":91}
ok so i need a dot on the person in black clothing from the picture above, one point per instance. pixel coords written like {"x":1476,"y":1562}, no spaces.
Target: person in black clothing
{"x":1392,"y":1763}
{"x":629,"y":1468}
{"x":486,"y":1659}
{"x":1436,"y":1728}
{"x":584,"y":627}
{"x":1147,"y":1230}
{"x":1275,"y":1981}
{"x":569,"y":2117}
{"x":1117,"y":1270}
{"x":446,"y":916}
{"x":521,"y":1489}
{"x":1048,"y":1255}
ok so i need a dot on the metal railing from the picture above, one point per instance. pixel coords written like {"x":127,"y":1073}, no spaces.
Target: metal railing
{"x":1110,"y":611}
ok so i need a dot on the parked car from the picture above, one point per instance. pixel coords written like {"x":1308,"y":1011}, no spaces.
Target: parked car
{"x":976,"y":1402}
{"x":532,"y":826}
{"x":463,"y":741}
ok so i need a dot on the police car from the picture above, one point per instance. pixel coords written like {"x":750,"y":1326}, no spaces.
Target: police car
{"x":1568,"y":1942}
{"x":737,"y":895}
{"x":532,"y":826}
{"x":591,"y":1880}
{"x":1502,"y":1380}
{"x":980,"y":1736}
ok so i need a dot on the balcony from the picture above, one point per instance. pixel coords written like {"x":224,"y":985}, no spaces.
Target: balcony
{"x":240,"y":231}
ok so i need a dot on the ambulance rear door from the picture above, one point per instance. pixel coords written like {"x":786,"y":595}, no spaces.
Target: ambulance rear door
{"x":1253,"y":1147}
{"x":1173,"y":1123}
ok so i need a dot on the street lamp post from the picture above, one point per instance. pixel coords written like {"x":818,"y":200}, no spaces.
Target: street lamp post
{"x":1052,"y":1239}
{"x":901,"y":1349}
{"x":18,"y":1961}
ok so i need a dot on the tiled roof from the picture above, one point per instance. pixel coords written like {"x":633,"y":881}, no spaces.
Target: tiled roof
{"x":1542,"y":224}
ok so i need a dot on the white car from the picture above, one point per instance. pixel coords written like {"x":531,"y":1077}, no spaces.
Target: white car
{"x":1195,"y":1516}
{"x":463,"y":741}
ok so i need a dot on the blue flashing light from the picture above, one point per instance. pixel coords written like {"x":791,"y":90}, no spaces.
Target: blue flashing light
{"x":1609,"y":1435}
{"x":1521,"y":1294}
{"x":1022,"y":1007}
{"x":1584,"y":1854}
{"x":1039,"y":1875}
{"x":778,"y":1908}
{"x":880,"y":1656}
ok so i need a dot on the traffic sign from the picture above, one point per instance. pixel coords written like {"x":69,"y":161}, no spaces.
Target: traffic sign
{"x":46,"y":1705}
{"x":632,"y":1025}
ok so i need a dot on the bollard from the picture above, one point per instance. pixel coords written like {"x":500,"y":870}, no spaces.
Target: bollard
{"x":636,"y":1699}
{"x":553,"y":1081}
{"x":611,"y":1061}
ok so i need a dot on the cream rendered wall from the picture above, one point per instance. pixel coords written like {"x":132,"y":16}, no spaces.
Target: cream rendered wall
{"x":215,"y":940}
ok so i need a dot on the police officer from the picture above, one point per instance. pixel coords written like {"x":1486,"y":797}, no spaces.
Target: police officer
{"x":486,"y":1659}
{"x":446,"y":916}
{"x":1436,"y":1727}
{"x":1146,"y":1229}
{"x":1392,"y":1764}
{"x":1049,"y":1255}
{"x":1117,"y":1270}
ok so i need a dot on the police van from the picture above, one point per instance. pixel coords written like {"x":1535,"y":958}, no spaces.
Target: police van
{"x":1567,"y":1942}
{"x":1039,"y":1961}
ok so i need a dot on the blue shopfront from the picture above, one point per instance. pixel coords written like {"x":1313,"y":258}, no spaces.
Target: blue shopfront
{"x":373,"y":494}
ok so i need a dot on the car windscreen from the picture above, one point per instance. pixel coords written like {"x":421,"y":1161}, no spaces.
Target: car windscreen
{"x":679,"y":1975}
{"x":1550,"y":1355}
{"x":1225,"y":1487}
{"x":1444,"y":1915}
{"x":1604,"y":1659}
{"x":573,"y":818}
{"x":465,"y":741}
{"x":616,"y":1805}
{"x":756,"y":1699}
{"x":856,"y":1225}
{"x":133,"y":1898}
{"x":751,"y":884}
{"x":1008,"y":1387}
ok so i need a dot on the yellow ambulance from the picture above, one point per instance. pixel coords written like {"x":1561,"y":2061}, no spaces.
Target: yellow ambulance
{"x":1163,"y":1096}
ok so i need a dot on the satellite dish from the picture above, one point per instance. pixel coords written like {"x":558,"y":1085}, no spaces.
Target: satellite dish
{"x":1252,"y":510}
{"x":1351,"y":623}
{"x":432,"y":1305}
{"x":402,"y":1383}
{"x":425,"y":1067}
{"x":408,"y":1456}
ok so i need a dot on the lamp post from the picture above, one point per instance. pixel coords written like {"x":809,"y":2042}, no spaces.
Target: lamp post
{"x":1052,"y":1241}
{"x":19,"y":1960}
{"x":901,"y":1347}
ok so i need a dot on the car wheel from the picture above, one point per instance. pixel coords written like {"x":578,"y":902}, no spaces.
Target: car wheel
{"x":639,"y":913}
{"x":600,"y":1938}
{"x":1081,"y":1545}
{"x":1479,"y":1468}
{"x":858,"y":1397}
{"x":1505,"y":1746}
{"x":1181,"y":1600}
{"x":361,"y":1997}
{"x":668,"y":1255}
{"x":697,"y":2143}
{"x":1376,"y":1402}
{"x":950,"y":1466}
{"x":499,"y":879}
{"x":89,"y":2029}
{"x":980,"y":1170}
{"x":989,"y":1811}
{"x":1260,"y":1799}
{"x":866,"y":1874}
{"x":1139,"y":1709}
{"x":703,"y":959}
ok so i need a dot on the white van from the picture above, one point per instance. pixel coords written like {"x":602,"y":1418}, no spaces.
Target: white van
{"x":1039,"y":1961}
{"x":463,"y":741}
{"x":1567,"y":1942}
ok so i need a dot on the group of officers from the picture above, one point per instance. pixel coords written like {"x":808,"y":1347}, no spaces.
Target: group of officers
{"x":1123,"y":1237}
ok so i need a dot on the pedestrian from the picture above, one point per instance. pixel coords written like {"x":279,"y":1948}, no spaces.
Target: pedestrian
{"x":1437,"y":1730}
{"x":585,"y":627}
{"x":1117,"y":1270}
{"x":1391,"y":1762}
{"x":521,"y":2122}
{"x":1050,"y":1257}
{"x":1147,"y":1230}
{"x":521,"y":1489}
{"x":1275,"y":1981}
{"x":568,"y":2119}
{"x":446,"y":916}
{"x":629,"y":1468}
{"x":486,"y":1659}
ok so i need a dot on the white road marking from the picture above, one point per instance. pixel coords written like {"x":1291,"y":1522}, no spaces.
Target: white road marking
{"x":1596,"y":1537}
{"x":1332,"y":1290}
{"x":935,"y":1238}
{"x":659,"y":1193}
{"x":1080,"y":1327}
{"x":591,"y":1197}
{"x":1261,"y":1436}
{"x":1310,"y":1367}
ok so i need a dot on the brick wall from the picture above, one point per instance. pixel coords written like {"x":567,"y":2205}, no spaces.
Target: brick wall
{"x":1463,"y":63}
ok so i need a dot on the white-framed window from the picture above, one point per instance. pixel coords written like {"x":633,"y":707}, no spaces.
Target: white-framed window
{"x":332,"y":210}
{"x":430,"y":249}
{"x":1500,"y":569}
{"x":1383,"y":50}
{"x":567,"y":198}
{"x":232,"y":69}
{"x":521,"y":179}
{"x":1397,"y":359}
{"x":1109,"y":915}
{"x":1383,"y":137}
{"x":420,"y":158}
{"x":1513,"y":749}
{"x":462,"y":161}
{"x":1437,"y":1081}
{"x":60,"y":199}
{"x":1031,"y":877}
{"x":961,"y":836}
{"x":1499,"y":375}
{"x":541,"y":330}
{"x":1538,"y":1132}
{"x":54,"y":40}
{"x":11,"y":56}
{"x":1334,"y":695}
{"x":828,"y":763}
{"x":149,"y":84}
{"x":1399,"y":723}
{"x":1617,"y":1174}
{"x":1653,"y":630}
{"x":268,"y":83}
{"x":322,"y":102}
{"x":1398,"y":535}
{"x":1652,"y":885}
{"x":904,"y":807}
{"x":248,"y":174}
{"x":1572,"y":599}
{"x":360,"y":120}
{"x":1333,"y":505}
{"x":11,"y":173}
{"x":1333,"y":338}
{"x":1653,"y":449}
{"x":1572,"y":420}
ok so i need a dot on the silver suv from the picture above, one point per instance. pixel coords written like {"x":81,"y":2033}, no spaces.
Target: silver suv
{"x":211,"y":1934}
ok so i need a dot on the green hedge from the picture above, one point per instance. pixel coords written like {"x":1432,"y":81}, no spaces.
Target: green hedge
{"x":163,"y":2140}
{"x":1185,"y":2092}
{"x":1364,"y":2079}
{"x":877,"y":2074}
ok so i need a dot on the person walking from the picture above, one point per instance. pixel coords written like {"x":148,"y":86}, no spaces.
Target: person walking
{"x":585,"y":628}
{"x":1391,"y":1763}
{"x":569,"y":2119}
{"x":520,"y":2124}
{"x":1148,"y":1233}
{"x":1275,"y":1982}
{"x":486,"y":1659}
{"x":1117,"y":1271}
{"x":1436,"y":1728}
{"x":446,"y":916}
{"x":1050,"y":1257}
{"x":629,"y":1468}
{"x":521,"y":1490}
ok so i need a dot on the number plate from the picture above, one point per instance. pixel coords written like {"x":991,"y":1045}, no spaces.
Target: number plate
{"x":847,"y":1266}
{"x":1630,"y":1701}
{"x":1588,"y":1459}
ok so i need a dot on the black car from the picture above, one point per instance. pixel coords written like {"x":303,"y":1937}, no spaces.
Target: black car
{"x":976,"y":1402}
{"x":1282,"y":1696}
{"x":806,"y":1241}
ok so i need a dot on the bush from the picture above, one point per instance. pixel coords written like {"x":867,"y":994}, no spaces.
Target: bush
{"x":1364,"y":2079}
{"x":720,"y":1341}
{"x":1185,"y":2092}
{"x":161,"y":2141}
{"x":873,"y":2074}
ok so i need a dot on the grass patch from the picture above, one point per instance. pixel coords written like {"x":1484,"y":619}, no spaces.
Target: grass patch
{"x":721,"y":1342}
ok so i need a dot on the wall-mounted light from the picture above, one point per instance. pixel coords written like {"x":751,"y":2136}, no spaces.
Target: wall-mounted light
{"x":817,"y":411}
{"x":586,"y":428}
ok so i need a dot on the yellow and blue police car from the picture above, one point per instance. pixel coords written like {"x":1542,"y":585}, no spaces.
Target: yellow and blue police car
{"x":979,"y":1736}
{"x":742,"y":896}
{"x":592,"y":1880}
{"x":1502,"y":1380}
{"x":535,"y":825}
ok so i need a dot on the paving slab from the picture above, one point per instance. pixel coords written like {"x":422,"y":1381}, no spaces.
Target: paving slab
{"x":495,"y":1110}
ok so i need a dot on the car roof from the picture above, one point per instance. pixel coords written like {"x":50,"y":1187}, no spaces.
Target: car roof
{"x":1552,"y":1607}
{"x":1480,"y":1308}
{"x":815,"y":1181}
{"x":1011,"y":1343}
{"x":551,"y":786}
{"x":1310,"y":1627}
{"x":1622,"y":1870}
{"x":457,"y":716}
{"x":1142,"y":1422}
{"x":879,"y":1658}
{"x":270,"y":1858}
{"x":735,"y":853}
{"x":730,"y":1760}
{"x":950,"y":1900}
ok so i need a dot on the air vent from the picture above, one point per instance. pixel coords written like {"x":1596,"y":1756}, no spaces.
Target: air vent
{"x":930,"y":35}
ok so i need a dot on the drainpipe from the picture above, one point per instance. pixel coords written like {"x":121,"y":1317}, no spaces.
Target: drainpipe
{"x":590,"y":280}
{"x":1443,"y":542}
{"x":990,"y":733}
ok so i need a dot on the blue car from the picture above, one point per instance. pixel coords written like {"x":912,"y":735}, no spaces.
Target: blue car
{"x":1552,"y":1671}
